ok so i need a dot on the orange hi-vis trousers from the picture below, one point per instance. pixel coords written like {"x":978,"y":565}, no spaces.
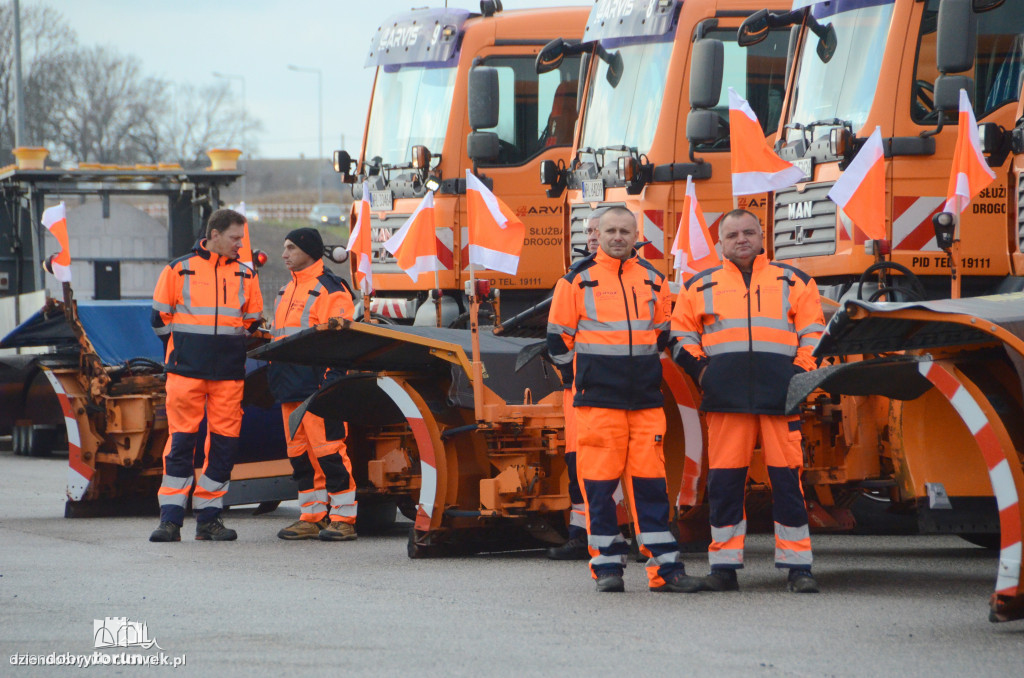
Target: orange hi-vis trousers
{"x":626,"y":444}
{"x":321,"y":468}
{"x":187,"y":401}
{"x":731,"y":440}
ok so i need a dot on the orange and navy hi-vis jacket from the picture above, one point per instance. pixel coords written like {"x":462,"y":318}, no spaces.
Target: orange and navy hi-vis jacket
{"x":313,"y":295}
{"x":751,"y":339}
{"x":612,"y":317}
{"x":203,"y":306}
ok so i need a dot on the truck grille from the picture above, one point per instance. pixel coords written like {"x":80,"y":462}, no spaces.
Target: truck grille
{"x":578,"y":225}
{"x":1020,"y":210}
{"x":805,"y":223}
{"x":380,"y":231}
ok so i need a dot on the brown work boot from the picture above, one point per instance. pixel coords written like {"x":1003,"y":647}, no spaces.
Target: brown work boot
{"x":302,"y":529}
{"x":338,"y":531}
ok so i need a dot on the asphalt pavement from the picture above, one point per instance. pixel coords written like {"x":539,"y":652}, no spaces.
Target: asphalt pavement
{"x":896,"y":605}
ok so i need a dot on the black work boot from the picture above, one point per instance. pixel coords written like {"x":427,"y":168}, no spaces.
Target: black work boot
{"x":680,"y":582}
{"x":801,"y":581}
{"x":167,"y":531}
{"x":610,"y":582}
{"x":573,"y":549}
{"x":214,"y":530}
{"x":721,"y":579}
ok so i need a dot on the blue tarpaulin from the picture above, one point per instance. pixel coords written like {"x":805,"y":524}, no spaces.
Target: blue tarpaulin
{"x":119,"y":330}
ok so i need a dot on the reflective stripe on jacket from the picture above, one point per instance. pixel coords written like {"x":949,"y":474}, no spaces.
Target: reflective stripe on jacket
{"x":313,"y":295}
{"x":204,"y":305}
{"x":606,"y":328}
{"x":751,"y":339}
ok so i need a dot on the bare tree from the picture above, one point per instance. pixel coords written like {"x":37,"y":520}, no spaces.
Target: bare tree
{"x":95,"y":104}
{"x":47,"y":42}
{"x":205,"y":117}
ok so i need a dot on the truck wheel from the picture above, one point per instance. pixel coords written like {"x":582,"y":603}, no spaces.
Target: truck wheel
{"x":17,"y":440}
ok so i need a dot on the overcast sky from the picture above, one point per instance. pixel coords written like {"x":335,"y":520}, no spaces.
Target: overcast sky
{"x":185,"y":40}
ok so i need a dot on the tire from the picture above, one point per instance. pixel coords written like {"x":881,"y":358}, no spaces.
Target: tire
{"x":376,"y":517}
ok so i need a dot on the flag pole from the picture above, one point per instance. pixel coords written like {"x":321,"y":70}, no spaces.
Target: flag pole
{"x":954,"y":252}
{"x":437,"y":291}
{"x":474,"y":327}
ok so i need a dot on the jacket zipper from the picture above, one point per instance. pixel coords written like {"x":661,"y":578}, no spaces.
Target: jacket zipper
{"x":750,"y":339}
{"x":216,"y":301}
{"x":629,"y":325}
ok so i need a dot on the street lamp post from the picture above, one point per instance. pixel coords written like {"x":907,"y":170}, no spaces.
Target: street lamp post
{"x":245,"y":149}
{"x":320,"y":124}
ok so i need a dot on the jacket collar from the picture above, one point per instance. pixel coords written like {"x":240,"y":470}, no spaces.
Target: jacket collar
{"x":760,"y":261}
{"x":200,"y":249}
{"x":602,"y":258}
{"x":311,"y":272}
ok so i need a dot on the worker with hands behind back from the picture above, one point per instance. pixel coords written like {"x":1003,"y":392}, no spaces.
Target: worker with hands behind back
{"x":320,"y":463}
{"x":205,"y":306}
{"x":741,"y":330}
{"x":606,"y":329}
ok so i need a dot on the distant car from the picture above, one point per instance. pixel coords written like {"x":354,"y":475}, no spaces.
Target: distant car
{"x":328,"y":213}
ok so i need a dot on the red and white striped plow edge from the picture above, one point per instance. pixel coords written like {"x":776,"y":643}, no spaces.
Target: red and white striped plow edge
{"x":428,"y":463}
{"x":79,"y":473}
{"x":999,"y":473}
{"x":692,"y":434}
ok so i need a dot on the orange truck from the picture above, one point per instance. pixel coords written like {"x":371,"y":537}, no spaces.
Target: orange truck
{"x":647,"y":123}
{"x":920,"y":402}
{"x":424,"y":129}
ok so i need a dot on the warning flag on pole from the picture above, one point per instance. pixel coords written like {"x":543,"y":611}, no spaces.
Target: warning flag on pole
{"x":860,"y":191}
{"x":495,"y":233}
{"x":755,"y":167}
{"x":245,"y":253}
{"x":693,"y":248}
{"x":970,"y":172}
{"x":360,"y":245}
{"x":55,"y":221}
{"x":415,"y":243}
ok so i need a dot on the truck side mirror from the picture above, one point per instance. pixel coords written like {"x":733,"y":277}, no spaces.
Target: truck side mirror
{"x":947,"y":92}
{"x":706,"y":68}
{"x":343,"y":166}
{"x":482,"y":146}
{"x":483,"y":97}
{"x":956,"y":39}
{"x":702,"y":126}
{"x":550,"y":56}
{"x":754,"y":29}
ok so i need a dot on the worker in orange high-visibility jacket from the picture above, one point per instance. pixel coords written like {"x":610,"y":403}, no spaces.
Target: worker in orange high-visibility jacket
{"x":607,"y":326}
{"x":741,"y":331}
{"x":320,"y":463}
{"x":575,"y":547}
{"x":205,"y":306}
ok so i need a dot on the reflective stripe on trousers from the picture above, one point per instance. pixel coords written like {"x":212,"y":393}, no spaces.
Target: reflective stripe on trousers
{"x":343,"y":506}
{"x":313,"y":504}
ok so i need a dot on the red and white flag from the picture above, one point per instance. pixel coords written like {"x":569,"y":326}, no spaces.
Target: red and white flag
{"x":860,"y":191}
{"x":693,"y":249}
{"x":415,"y":243}
{"x":361,"y":246}
{"x":495,"y":233}
{"x":56,"y":222}
{"x":755,"y":167}
{"x":970,"y":171}
{"x":245,"y":253}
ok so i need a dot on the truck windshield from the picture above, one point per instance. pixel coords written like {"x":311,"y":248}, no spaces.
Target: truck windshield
{"x":410,"y":107}
{"x":843,"y":88}
{"x":627,"y":114}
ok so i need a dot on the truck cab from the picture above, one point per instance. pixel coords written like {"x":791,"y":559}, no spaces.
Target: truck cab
{"x":635,"y":147}
{"x":416,"y":141}
{"x":897,"y":65}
